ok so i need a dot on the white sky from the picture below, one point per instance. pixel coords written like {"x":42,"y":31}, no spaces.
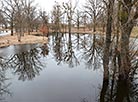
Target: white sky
{"x":48,"y":4}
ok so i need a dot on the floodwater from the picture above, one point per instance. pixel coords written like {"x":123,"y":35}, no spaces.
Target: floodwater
{"x":67,"y":69}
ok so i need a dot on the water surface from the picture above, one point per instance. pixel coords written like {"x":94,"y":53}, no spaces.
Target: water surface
{"x":66,"y":69}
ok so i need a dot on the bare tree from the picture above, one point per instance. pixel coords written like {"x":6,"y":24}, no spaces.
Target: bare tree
{"x":84,"y":20}
{"x":56,"y":17}
{"x":106,"y":55}
{"x":93,"y":8}
{"x":69,"y":11}
{"x":31,"y":15}
{"x":44,"y":16}
{"x":20,"y":14}
{"x":44,"y":22}
{"x":78,"y":17}
{"x":9,"y":12}
{"x":128,"y":16}
{"x":20,"y":18}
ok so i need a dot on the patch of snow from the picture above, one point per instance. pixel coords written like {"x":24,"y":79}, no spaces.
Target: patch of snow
{"x":3,"y":33}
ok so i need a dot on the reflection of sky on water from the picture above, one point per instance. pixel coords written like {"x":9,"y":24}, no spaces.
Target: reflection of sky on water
{"x":57,"y":81}
{"x":58,"y":84}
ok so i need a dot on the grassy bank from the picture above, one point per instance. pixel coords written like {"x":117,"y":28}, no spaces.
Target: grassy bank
{"x":26,"y":39}
{"x":29,"y":39}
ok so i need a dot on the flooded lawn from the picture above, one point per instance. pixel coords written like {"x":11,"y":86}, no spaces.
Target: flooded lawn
{"x":64,"y":70}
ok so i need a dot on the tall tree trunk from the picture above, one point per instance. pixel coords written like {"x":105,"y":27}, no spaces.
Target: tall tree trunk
{"x":69,"y":26}
{"x":117,"y":26}
{"x":29,"y":28}
{"x":104,"y":91}
{"x":127,"y":24}
{"x":122,"y":91}
{"x":108,"y":39}
{"x":94,"y":24}
{"x":11,"y":28}
{"x":124,"y":54}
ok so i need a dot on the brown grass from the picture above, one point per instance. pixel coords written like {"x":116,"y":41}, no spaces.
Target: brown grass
{"x":26,"y":39}
{"x":30,"y":39}
{"x":100,"y":31}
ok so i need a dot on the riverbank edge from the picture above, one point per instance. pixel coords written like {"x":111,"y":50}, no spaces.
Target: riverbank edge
{"x":8,"y":40}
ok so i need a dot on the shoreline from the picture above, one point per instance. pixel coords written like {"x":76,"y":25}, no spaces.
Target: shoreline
{"x":8,"y":40}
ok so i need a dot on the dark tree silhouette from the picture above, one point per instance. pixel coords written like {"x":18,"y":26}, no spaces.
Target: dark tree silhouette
{"x":26,"y":64}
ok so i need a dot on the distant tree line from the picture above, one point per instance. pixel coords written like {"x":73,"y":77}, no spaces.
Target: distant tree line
{"x":21,"y":16}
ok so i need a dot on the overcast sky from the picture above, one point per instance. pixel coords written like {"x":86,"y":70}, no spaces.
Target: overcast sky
{"x":48,"y":4}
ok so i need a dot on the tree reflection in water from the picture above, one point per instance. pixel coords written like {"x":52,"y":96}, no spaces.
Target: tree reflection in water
{"x":63,"y":50}
{"x":45,"y":50}
{"x":118,"y":90}
{"x":2,"y":64}
{"x":58,"y":47}
{"x":93,"y":53}
{"x":69,"y":55}
{"x":4,"y":86}
{"x":26,"y":64}
{"x":114,"y":90}
{"x":122,"y":91}
{"x":68,"y":49}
